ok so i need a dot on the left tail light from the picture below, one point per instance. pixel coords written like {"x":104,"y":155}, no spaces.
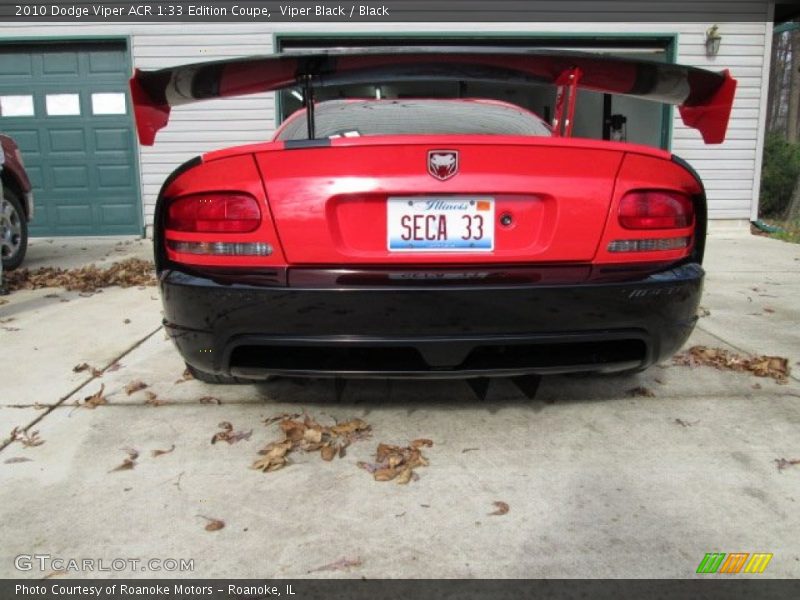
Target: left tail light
{"x":214,"y":213}
{"x":214,"y":225}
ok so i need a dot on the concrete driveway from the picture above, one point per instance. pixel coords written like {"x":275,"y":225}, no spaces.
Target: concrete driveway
{"x":600,"y":480}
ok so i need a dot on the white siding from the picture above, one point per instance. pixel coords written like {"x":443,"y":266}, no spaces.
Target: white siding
{"x":730,"y":170}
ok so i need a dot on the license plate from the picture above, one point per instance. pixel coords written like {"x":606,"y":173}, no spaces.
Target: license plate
{"x":441,"y":224}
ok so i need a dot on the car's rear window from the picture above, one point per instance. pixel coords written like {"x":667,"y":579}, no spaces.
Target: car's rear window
{"x":348,"y":118}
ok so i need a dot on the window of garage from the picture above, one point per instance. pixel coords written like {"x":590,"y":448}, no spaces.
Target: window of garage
{"x":66,"y":105}
{"x":599,"y":116}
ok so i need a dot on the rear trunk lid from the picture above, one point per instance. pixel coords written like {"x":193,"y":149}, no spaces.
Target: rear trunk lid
{"x":549,"y":198}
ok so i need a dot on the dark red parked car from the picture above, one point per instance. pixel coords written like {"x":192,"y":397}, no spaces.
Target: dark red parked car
{"x":431,"y":237}
{"x":16,"y":205}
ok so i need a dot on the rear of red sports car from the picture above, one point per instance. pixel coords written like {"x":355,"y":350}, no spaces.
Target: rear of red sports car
{"x":429,"y":238}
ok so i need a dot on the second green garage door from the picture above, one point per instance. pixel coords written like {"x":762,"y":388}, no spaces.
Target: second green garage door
{"x":66,"y":105}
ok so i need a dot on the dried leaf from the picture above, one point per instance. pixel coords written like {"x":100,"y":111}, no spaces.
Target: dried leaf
{"x":313,"y":436}
{"x":129,"y":463}
{"x":17,"y":459}
{"x":683,"y":423}
{"x":465,"y":450}
{"x":502,"y":508}
{"x":86,"y":367}
{"x":96,"y":399}
{"x":397,"y":462}
{"x":293,"y":430}
{"x":349,"y":427}
{"x":152,"y":399}
{"x":782,"y":463}
{"x":229,"y":435}
{"x":641,"y":391}
{"x":209,"y":400}
{"x":328,"y":452}
{"x":187,"y":375}
{"x":135,"y":386}
{"x":213,"y":524}
{"x":273,"y":456}
{"x":368,"y":467}
{"x":28,"y":439}
{"x":281,"y":417}
{"x":405,"y":475}
{"x":340,"y":565}
{"x":115,"y":367}
{"x":157,"y":453}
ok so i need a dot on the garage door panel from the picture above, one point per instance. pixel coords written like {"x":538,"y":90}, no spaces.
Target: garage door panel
{"x":28,"y":141}
{"x":69,"y":140}
{"x":112,"y":139}
{"x":75,"y":130}
{"x":115,"y":176}
{"x":116,"y":214}
{"x":35,"y":175}
{"x":13,"y":66}
{"x":66,"y":177}
{"x":73,"y":214}
{"x":113,"y":62}
{"x":60,"y":63}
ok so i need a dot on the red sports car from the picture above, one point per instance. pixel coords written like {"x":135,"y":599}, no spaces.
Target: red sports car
{"x":430,"y":237}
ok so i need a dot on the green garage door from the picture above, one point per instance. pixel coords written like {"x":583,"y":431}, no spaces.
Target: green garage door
{"x":67,"y":107}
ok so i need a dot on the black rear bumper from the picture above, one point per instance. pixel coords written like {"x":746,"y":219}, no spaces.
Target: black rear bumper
{"x":342,"y":326}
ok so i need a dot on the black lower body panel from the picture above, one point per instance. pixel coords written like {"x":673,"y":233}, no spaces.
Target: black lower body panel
{"x":429,"y":330}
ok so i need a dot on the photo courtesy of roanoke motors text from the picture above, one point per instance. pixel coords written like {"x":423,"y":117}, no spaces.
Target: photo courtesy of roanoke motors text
{"x":400,"y":299}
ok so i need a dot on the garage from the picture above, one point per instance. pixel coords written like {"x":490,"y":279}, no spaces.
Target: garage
{"x":66,"y":106}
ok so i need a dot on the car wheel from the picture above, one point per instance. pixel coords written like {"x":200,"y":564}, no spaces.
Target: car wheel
{"x":206,"y":377}
{"x":13,"y":230}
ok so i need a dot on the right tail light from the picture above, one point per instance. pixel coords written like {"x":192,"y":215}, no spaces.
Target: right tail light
{"x":656,"y":209}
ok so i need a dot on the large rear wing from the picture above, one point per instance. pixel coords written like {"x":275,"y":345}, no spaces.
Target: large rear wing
{"x":704,"y":98}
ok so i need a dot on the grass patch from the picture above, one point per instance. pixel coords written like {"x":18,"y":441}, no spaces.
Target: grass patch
{"x":790,"y":230}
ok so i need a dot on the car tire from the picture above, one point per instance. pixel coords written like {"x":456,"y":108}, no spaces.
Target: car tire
{"x":13,"y":230}
{"x":215,"y":379}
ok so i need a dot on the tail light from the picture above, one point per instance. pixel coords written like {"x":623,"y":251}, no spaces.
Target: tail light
{"x":654,"y":209}
{"x":214,"y":213}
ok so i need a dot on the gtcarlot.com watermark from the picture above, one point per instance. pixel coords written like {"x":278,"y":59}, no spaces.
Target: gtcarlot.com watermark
{"x":49,"y":563}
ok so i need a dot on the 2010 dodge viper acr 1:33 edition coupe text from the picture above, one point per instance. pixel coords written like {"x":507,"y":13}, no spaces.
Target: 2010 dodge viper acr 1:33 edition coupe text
{"x":430,"y":237}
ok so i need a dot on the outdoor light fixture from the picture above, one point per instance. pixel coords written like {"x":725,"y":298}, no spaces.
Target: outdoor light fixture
{"x":713,"y":39}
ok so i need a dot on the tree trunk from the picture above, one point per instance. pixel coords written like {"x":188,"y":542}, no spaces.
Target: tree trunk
{"x":775,"y":83}
{"x":792,"y":130}
{"x":793,"y":212}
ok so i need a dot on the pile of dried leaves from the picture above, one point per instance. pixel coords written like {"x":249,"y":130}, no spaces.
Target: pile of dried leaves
{"x":397,"y":463}
{"x":309,"y":436}
{"x":126,"y":273}
{"x":776,"y":367}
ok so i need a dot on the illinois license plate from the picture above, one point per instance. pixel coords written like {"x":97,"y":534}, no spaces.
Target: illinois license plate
{"x":440,"y":223}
